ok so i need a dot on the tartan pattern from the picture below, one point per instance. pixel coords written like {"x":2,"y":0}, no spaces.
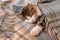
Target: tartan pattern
{"x":19,"y":34}
{"x":10,"y":24}
{"x":13,"y":31}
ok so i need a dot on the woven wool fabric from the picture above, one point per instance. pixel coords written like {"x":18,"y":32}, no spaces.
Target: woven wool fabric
{"x":11,"y":26}
{"x":10,"y":29}
{"x":52,"y":15}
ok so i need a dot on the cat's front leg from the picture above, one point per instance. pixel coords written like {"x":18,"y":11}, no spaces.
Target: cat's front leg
{"x":36,"y":30}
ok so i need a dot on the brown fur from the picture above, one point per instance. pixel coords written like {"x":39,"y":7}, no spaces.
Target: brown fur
{"x":28,"y":10}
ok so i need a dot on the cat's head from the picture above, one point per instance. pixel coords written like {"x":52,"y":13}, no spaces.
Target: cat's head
{"x":28,"y":11}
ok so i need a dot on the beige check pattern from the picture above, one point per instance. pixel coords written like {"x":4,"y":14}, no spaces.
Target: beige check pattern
{"x":17,"y":33}
{"x":10,"y":29}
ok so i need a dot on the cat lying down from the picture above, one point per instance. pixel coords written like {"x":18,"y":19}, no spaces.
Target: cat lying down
{"x":32,"y":14}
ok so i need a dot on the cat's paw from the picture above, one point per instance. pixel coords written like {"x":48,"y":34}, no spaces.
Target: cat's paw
{"x":36,"y":30}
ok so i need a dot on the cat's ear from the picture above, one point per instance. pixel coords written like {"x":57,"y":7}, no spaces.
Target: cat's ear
{"x":39,"y":13}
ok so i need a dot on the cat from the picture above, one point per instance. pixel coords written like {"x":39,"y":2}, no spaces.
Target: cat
{"x":30,"y":13}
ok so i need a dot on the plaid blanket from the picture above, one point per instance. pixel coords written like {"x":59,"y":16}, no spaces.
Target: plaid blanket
{"x":15,"y":29}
